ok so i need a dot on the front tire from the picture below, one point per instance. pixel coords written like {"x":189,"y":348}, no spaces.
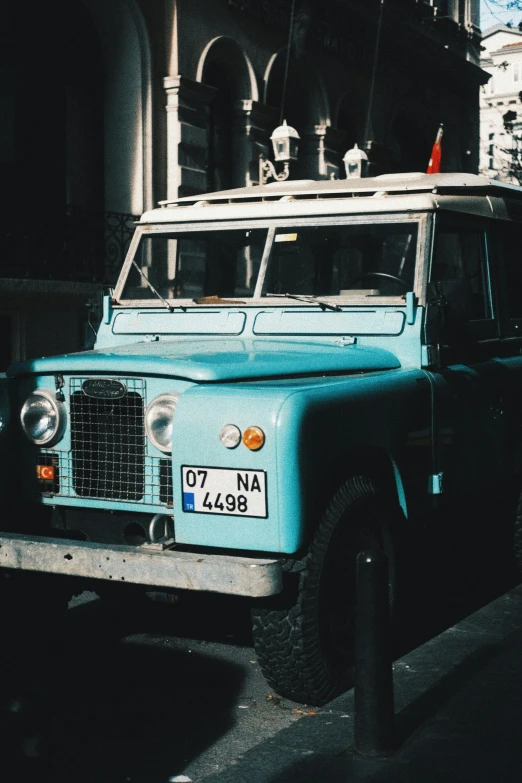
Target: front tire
{"x":305,"y":645}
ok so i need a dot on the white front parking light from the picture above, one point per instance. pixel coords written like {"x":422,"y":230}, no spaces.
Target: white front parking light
{"x":230,"y":436}
{"x":158,"y":420}
{"x":43,"y":418}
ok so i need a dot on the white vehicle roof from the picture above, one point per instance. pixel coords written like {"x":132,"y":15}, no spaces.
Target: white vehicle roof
{"x":386,"y":193}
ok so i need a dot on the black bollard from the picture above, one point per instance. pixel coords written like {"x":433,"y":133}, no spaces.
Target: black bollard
{"x":374,"y":710}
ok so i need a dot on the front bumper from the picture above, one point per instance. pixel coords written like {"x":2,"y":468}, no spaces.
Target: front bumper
{"x":247,"y":576}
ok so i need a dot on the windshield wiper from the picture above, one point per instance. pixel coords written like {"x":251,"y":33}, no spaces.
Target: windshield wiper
{"x":309,"y":300}
{"x":149,"y":284}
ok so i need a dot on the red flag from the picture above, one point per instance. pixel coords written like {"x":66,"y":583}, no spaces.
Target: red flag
{"x":436,"y":154}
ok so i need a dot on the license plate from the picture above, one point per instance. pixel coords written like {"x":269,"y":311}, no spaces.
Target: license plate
{"x":234,"y":492}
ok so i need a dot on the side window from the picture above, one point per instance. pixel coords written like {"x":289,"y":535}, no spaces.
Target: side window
{"x":460,"y":278}
{"x":460,"y":258}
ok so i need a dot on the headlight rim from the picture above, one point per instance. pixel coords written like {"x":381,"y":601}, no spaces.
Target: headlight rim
{"x":172,"y":397}
{"x":61,"y":418}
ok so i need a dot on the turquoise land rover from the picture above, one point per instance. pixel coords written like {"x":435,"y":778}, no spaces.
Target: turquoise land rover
{"x":283,"y":376}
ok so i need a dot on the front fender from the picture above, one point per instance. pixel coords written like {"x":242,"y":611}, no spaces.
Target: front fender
{"x":312,"y":430}
{"x":201,"y":413}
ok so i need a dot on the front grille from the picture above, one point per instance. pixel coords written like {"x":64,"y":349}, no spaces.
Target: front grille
{"x":107,"y":456}
{"x":165,"y":482}
{"x":108,"y":446}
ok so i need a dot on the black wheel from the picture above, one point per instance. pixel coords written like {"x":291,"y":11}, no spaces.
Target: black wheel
{"x":305,"y":645}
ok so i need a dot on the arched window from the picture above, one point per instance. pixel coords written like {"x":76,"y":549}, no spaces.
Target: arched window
{"x":220,"y":121}
{"x":225,"y":67}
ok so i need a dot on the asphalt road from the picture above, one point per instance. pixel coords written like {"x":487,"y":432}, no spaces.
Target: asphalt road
{"x":143,"y":693}
{"x":147,"y":692}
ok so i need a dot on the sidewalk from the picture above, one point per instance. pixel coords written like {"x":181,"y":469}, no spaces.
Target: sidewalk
{"x":458,"y":702}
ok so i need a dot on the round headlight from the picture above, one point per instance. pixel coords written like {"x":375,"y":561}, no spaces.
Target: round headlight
{"x":43,"y":418}
{"x":158,"y":420}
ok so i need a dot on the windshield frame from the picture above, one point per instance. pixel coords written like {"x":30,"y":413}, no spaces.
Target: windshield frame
{"x":421,"y":219}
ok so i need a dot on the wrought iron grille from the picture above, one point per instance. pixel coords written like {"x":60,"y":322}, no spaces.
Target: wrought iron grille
{"x":108,"y":446}
{"x":85,"y":246}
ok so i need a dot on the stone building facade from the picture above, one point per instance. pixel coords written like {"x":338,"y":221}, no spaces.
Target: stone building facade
{"x":112,"y":105}
{"x":501,"y":104}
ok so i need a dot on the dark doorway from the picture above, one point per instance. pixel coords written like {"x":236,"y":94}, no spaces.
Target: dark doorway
{"x":220,"y":153}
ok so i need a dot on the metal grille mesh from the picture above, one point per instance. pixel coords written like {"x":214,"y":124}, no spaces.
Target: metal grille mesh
{"x":108,"y":457}
{"x":165,"y":481}
{"x":108,"y":446}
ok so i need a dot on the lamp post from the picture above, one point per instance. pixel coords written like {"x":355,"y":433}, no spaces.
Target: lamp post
{"x":285,"y":140}
{"x":355,"y":163}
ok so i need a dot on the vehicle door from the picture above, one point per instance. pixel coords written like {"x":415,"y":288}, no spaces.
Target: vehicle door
{"x":470,"y":383}
{"x":506,"y":251}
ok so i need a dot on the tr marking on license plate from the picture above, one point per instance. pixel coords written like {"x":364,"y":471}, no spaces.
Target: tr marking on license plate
{"x":231,"y":491}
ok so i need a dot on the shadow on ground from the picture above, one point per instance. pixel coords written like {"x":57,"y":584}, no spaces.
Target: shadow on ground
{"x":115,"y":699}
{"x":467,"y":734}
{"x":94,"y":708}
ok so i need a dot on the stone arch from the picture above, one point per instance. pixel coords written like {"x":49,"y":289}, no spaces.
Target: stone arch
{"x":306,"y":101}
{"x":226,"y":53}
{"x":225,"y":68}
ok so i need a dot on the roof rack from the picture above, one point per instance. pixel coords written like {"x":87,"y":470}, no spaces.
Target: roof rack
{"x":413,"y":182}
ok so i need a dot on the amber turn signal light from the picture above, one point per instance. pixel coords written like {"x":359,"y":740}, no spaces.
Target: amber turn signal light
{"x":253,"y":438}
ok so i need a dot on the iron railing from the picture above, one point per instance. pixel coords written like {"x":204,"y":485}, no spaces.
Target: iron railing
{"x":86,"y":246}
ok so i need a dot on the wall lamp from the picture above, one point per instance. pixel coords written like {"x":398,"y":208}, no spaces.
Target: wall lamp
{"x":285,"y":140}
{"x":355,"y":163}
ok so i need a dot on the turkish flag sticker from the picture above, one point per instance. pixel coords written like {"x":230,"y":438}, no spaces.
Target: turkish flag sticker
{"x":45,"y":472}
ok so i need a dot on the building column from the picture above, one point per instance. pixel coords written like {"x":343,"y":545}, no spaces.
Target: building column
{"x":252,"y":128}
{"x":187,"y":135}
{"x":320,"y":150}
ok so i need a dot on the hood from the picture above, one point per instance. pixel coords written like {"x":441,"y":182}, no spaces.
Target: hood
{"x":209,"y":359}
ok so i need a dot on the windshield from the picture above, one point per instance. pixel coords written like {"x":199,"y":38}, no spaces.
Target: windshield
{"x":370,"y":259}
{"x":196,"y":264}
